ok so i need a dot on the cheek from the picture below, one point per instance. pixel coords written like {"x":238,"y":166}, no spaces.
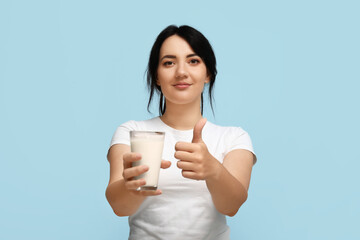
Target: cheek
{"x":163,"y":76}
{"x":159,"y":75}
{"x":202,"y":77}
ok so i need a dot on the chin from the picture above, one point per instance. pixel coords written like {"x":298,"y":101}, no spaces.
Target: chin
{"x":182,"y":101}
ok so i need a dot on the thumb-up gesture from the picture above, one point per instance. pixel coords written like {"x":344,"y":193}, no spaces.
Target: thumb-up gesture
{"x":194,"y":158}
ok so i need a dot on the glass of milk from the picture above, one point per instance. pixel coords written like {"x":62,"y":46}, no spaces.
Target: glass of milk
{"x":150,"y":146}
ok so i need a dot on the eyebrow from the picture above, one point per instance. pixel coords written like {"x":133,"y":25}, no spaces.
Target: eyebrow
{"x":172,"y":56}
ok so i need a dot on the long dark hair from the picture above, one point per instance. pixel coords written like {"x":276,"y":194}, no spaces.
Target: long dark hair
{"x":201,"y":47}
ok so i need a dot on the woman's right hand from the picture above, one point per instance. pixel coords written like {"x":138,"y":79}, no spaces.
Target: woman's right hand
{"x":130,"y":172}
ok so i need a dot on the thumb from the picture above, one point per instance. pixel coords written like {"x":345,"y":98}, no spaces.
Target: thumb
{"x":197,"y":130}
{"x":165,"y":164}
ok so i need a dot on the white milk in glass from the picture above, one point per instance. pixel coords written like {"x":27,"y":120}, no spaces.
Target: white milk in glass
{"x":150,"y":146}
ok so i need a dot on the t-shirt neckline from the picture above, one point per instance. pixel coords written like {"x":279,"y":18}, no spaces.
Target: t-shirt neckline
{"x":174,"y":130}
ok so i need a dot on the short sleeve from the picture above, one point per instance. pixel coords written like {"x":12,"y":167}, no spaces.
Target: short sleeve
{"x":239,"y":139}
{"x":122,"y":134}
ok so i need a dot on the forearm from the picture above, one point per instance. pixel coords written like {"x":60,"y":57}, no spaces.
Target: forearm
{"x":227,"y":193}
{"x":123,"y":202}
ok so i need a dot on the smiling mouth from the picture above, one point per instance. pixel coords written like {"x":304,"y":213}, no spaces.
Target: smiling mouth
{"x":182,"y":85}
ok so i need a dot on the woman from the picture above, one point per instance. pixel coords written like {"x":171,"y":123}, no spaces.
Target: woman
{"x":206,"y":172}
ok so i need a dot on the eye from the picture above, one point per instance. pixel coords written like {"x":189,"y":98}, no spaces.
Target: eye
{"x":194,"y":61}
{"x":168,"y":63}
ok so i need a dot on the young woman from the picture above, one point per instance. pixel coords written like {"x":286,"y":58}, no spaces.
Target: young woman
{"x":206,"y":168}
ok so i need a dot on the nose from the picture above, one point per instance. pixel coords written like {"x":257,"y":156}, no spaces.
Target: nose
{"x":181,"y":71}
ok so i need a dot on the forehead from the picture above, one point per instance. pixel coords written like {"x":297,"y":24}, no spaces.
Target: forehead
{"x":175,"y":45}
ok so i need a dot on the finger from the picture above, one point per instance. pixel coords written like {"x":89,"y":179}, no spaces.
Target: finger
{"x":197,"y":136}
{"x":185,"y":146}
{"x":134,"y":171}
{"x":135,"y":184}
{"x":165,"y":164}
{"x":186,"y":166}
{"x":184,"y":156}
{"x":150,"y":193}
{"x":191,"y":175}
{"x":131,"y":157}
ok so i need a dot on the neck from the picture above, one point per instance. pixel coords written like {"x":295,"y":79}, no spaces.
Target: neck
{"x":182,"y":117}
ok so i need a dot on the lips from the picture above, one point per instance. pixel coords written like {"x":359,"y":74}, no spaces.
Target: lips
{"x":182,"y":85}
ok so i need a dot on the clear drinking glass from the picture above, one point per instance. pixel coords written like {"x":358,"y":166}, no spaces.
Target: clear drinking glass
{"x":150,"y":145}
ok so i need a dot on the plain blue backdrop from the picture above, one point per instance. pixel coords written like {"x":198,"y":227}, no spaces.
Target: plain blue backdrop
{"x":72,"y":71}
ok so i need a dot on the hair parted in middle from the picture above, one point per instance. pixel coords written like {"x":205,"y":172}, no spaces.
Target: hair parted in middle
{"x":201,"y":47}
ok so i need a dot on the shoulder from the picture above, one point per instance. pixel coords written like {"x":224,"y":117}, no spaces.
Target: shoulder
{"x":227,"y":131}
{"x":228,"y":137}
{"x":139,"y":125}
{"x":121,"y":135}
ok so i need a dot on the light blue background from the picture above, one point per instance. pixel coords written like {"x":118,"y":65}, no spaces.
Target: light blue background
{"x":72,"y":71}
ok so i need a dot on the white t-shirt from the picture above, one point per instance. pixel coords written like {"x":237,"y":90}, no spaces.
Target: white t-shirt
{"x":185,"y":209}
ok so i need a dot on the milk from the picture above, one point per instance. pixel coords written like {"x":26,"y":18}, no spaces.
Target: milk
{"x":150,"y":146}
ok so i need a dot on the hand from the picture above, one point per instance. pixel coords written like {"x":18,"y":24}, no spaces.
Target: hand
{"x":130,"y":172}
{"x":194,"y":158}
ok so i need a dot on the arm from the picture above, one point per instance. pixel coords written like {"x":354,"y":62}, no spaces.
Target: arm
{"x":229,"y":183}
{"x":121,"y":191}
{"x":122,"y":200}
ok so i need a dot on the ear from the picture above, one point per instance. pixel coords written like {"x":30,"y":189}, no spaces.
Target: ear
{"x":207,"y":79}
{"x":157,"y":82}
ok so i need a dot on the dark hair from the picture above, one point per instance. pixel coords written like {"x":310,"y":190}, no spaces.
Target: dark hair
{"x":201,"y":47}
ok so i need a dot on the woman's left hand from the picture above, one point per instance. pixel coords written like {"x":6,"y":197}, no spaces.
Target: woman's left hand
{"x":194,"y":158}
